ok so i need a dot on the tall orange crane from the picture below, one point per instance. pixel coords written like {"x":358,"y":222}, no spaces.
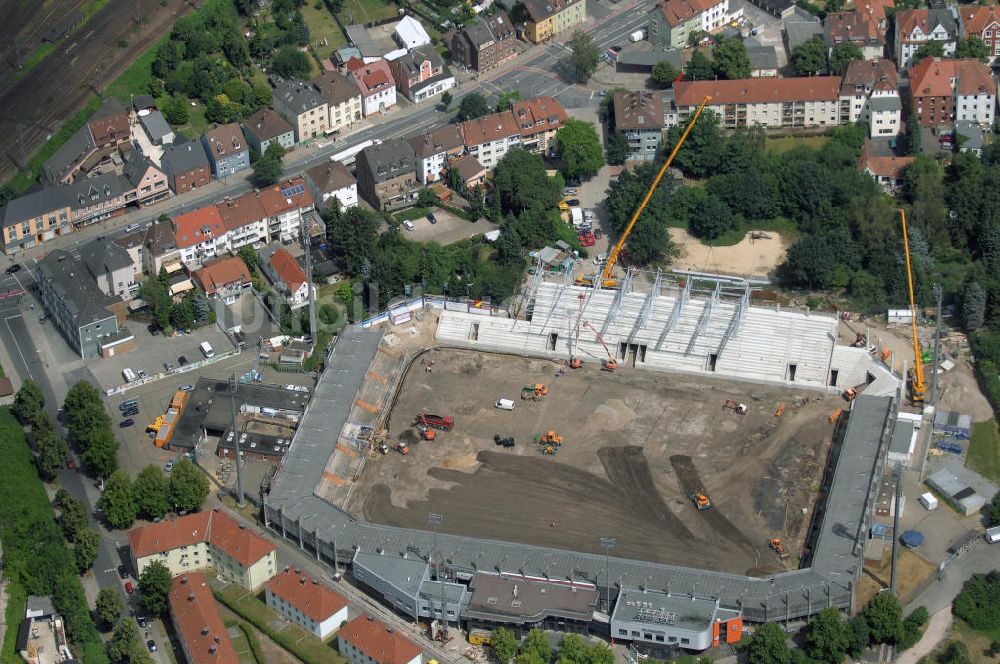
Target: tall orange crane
{"x":917,"y":386}
{"x":607,"y":274}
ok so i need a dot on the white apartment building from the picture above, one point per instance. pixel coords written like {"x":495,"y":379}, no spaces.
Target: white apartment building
{"x":870,"y":89}
{"x":306,"y":602}
{"x":770,"y":102}
{"x":489,"y":138}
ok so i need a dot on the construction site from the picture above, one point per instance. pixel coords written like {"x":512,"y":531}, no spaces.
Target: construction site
{"x":629,"y":451}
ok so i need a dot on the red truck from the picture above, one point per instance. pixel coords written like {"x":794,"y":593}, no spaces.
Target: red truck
{"x":587,"y":239}
{"x":442,"y":422}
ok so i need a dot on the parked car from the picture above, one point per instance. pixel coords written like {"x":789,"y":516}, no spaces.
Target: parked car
{"x":142,"y":374}
{"x":600,"y":259}
{"x":573,"y":202}
{"x":125,"y":424}
{"x":168,"y":466}
{"x":43,"y":319}
{"x":187,"y":388}
{"x":122,"y":572}
{"x":13,"y":269}
{"x":431,"y":218}
{"x":153,"y":329}
{"x":129,"y":588}
{"x":130,"y":412}
{"x":169,"y":366}
{"x":151,"y":644}
{"x":128,"y":403}
{"x":142,"y":621}
{"x":181,"y":361}
{"x":70,"y":463}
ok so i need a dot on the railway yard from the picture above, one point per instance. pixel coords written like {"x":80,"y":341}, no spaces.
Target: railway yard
{"x":636,"y":445}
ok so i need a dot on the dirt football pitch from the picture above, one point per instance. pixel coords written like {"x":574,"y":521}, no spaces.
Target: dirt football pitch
{"x":636,"y":443}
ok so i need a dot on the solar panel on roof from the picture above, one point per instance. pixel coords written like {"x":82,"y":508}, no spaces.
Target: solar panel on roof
{"x":291,"y":191}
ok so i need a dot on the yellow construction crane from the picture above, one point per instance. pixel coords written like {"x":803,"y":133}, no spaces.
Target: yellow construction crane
{"x":917,"y":385}
{"x":607,"y":274}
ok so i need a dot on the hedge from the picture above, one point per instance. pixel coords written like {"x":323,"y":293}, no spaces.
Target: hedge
{"x":253,"y":642}
{"x":35,"y":556}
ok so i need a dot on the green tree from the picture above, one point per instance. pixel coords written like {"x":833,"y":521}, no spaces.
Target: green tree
{"x":649,"y":241}
{"x":250,"y":257}
{"x":973,"y":47}
{"x":72,"y":515}
{"x":154,"y":586}
{"x":702,"y":153}
{"x":954,"y":653}
{"x":182,"y":317}
{"x":974,"y":308}
{"x":125,"y":641}
{"x":101,"y":455}
{"x":860,"y":636}
{"x":711,"y":220}
{"x":472,"y":106}
{"x":507,"y":99}
{"x":29,"y":402}
{"x":884,"y":615}
{"x":290,"y":62}
{"x":154,"y":292}
{"x":188,"y":486}
{"x":427,"y":198}
{"x":731,"y":59}
{"x":446,"y":98}
{"x":913,"y":137}
{"x":584,"y":56}
{"x":166,"y":59}
{"x":175,"y":109}
{"x":52,"y":451}
{"x":769,"y":646}
{"x":536,"y":643}
{"x":580,"y":148}
{"x":809,"y":57}
{"x":109,"y":607}
{"x":995,"y":510}
{"x":520,"y":182}
{"x":842,"y":55}
{"x":85,"y":549}
{"x":930,"y":49}
{"x":352,"y":235}
{"x":700,"y":68}
{"x":664,"y":74}
{"x":152,"y":493}
{"x":978,"y":603}
{"x":118,"y":501}
{"x":617,"y":149}
{"x":504,"y":644}
{"x":828,"y":637}
{"x":267,"y":170}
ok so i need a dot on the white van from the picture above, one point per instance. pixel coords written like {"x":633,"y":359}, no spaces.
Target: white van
{"x":408,"y":225}
{"x":206,"y":349}
{"x":993,"y":534}
{"x":128,"y":375}
{"x":504,"y":404}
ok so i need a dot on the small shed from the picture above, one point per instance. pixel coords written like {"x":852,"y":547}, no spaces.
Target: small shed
{"x":157,"y":128}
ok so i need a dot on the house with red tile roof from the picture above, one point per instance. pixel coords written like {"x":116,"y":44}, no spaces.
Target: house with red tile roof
{"x":490,"y":137}
{"x":673,"y":22}
{"x":197,"y":623}
{"x":245,"y":220}
{"x":812,"y":101}
{"x":886,"y":170}
{"x":858,"y":28}
{"x":872,"y":90}
{"x":876,"y":9}
{"x":916,"y":27}
{"x":286,"y":275}
{"x":306,"y":602}
{"x":201,"y":540}
{"x":286,"y":205}
{"x":366,"y":640}
{"x":224,"y":278}
{"x":538,"y":120}
{"x":982,"y":22}
{"x":200,"y":235}
{"x":944,"y":91}
{"x":374,"y":79}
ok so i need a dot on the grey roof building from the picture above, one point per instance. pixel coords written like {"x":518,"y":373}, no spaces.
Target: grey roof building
{"x":639,"y":118}
{"x":387,"y":174}
{"x":799,"y":32}
{"x":303,"y":106}
{"x":644,"y":61}
{"x":157,"y":128}
{"x":71,"y":156}
{"x":763,"y":58}
{"x":359,"y":37}
{"x":75,"y":304}
{"x":186,"y":166}
{"x":227,"y":149}
{"x":265,"y":127}
{"x":335,"y":87}
{"x":109,"y":265}
{"x":143,"y":103}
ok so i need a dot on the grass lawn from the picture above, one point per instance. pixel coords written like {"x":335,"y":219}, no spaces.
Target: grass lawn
{"x":410,"y":214}
{"x":984,"y":451}
{"x":735,"y":236}
{"x":322,"y":27}
{"x":367,"y":11}
{"x":977,"y":642}
{"x":197,"y":124}
{"x":786,"y":143}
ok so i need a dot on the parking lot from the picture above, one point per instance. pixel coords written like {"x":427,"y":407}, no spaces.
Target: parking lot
{"x":154,"y":352}
{"x":448,"y":229}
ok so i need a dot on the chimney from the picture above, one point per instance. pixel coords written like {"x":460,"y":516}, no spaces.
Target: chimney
{"x":217,"y":639}
{"x":184,"y":579}
{"x":204,"y":631}
{"x":212,"y":648}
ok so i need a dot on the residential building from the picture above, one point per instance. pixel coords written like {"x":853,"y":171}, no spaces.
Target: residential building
{"x":490,"y":42}
{"x":199,"y":628}
{"x":470,"y":171}
{"x":801,"y":30}
{"x":76,"y":306}
{"x":286,"y":274}
{"x":410,"y":34}
{"x":286,"y":205}
{"x":143,"y":103}
{"x":366,"y":640}
{"x":858,"y":28}
{"x":265,"y":127}
{"x":639,"y":119}
{"x":887,"y":170}
{"x":91,"y":145}
{"x":871,"y":87}
{"x":972,"y":137}
{"x":651,"y":618}
{"x":186,"y":166}
{"x":387,"y":175}
{"x":947,"y":91}
{"x":111,"y":268}
{"x":302,"y":105}
{"x":538,"y":120}
{"x":420,"y":74}
{"x":160,"y":250}
{"x":877,"y":9}
{"x":227,"y":150}
{"x":200,"y":235}
{"x":110,"y":125}
{"x":223,"y":278}
{"x":672,"y":22}
{"x":36,"y":217}
{"x":916,"y":27}
{"x":244,"y":219}
{"x":490,"y":137}
{"x":157,"y":128}
{"x":374,"y":80}
{"x":435,"y":149}
{"x":133,"y":245}
{"x":149,"y":182}
{"x":362,"y":42}
{"x":547,"y":18}
{"x":306,"y":602}
{"x":763,"y":59}
{"x":770,"y":102}
{"x":343,"y":99}
{"x":208,"y":539}
{"x":333,"y":180}
{"x":98,"y":198}
{"x":983,"y":22}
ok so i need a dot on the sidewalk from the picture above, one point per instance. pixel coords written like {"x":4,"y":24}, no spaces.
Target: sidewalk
{"x":937,"y":631}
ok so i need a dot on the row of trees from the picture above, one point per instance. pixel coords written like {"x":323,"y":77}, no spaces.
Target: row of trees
{"x":535,"y":649}
{"x":189,"y":311}
{"x":90,"y":430}
{"x":151,"y":496}
{"x":51,"y":449}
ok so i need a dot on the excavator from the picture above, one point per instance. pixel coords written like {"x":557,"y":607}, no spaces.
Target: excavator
{"x":611,"y":363}
{"x":606,"y":277}
{"x":917,"y":385}
{"x":700,"y":501}
{"x":779,"y":548}
{"x":550,"y":438}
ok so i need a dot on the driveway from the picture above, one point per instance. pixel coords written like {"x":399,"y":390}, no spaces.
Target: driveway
{"x":448,"y":229}
{"x":937,"y":631}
